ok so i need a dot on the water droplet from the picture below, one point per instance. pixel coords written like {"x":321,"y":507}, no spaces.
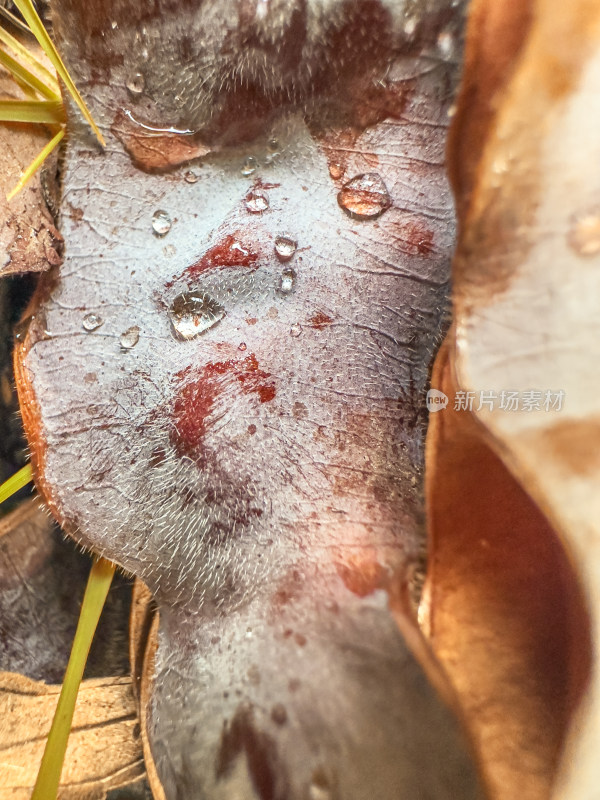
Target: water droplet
{"x":161,"y":223}
{"x":336,"y":171}
{"x":130,"y":337}
{"x":365,"y":196}
{"x":286,"y":281}
{"x":249,"y":166}
{"x":136,"y":84}
{"x":273,"y":151}
{"x":295,"y":330}
{"x":242,"y":346}
{"x":257,"y":201}
{"x":285,"y":247}
{"x":584,"y":236}
{"x":113,"y":24}
{"x":194,"y":313}
{"x":410,"y":26}
{"x":92,"y":321}
{"x":190,"y":176}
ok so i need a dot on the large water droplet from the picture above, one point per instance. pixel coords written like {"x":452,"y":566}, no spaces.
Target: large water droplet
{"x":286,"y":281}
{"x":136,"y":84}
{"x":273,"y":151}
{"x":584,"y":236}
{"x":130,"y":337}
{"x":249,"y":166}
{"x":190,"y":176}
{"x":161,"y":223}
{"x":194,"y":313}
{"x":296,"y":330}
{"x":285,"y":247}
{"x":365,"y":196}
{"x":257,"y":201}
{"x":92,"y":321}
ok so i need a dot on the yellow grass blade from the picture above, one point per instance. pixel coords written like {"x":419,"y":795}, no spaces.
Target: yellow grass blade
{"x":48,"y":111}
{"x":23,"y":75}
{"x":31,"y":16}
{"x":24,"y":54}
{"x":46,"y":785}
{"x":36,"y":164}
{"x":15,"y":482}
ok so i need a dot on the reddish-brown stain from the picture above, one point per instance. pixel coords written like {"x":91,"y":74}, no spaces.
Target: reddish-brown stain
{"x":196,"y":398}
{"x":229,"y":252}
{"x":320,"y":320}
{"x":156,"y":150}
{"x":414,"y":237}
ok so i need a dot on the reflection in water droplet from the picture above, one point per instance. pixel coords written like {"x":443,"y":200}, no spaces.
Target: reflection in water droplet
{"x":365,"y":196}
{"x":285,"y":247}
{"x":584,"y":236}
{"x":92,"y":321}
{"x":257,"y":201}
{"x":286,"y":281}
{"x":249,"y":166}
{"x":194,"y":313}
{"x":161,"y":223}
{"x":190,"y":176}
{"x":136,"y":83}
{"x":295,"y":330}
{"x":130,"y":337}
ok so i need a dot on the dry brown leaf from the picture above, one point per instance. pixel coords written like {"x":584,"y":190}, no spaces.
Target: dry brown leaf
{"x":104,"y":750}
{"x":505,"y":612}
{"x":29,"y":241}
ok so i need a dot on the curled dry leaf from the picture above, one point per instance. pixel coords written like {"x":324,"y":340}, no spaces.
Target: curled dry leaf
{"x":514,"y":588}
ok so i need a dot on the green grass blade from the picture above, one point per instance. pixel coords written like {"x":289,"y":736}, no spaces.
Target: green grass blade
{"x":46,"y":785}
{"x":15,"y":482}
{"x":48,"y":111}
{"x":36,"y":164}
{"x":22,"y":74}
{"x":31,"y":17}
{"x":22,"y":52}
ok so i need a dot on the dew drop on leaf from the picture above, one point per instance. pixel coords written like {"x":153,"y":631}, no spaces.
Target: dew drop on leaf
{"x":136,"y":84}
{"x":257,"y":201}
{"x":285,"y":247}
{"x":365,"y":196}
{"x":130,"y":337}
{"x":161,"y":223}
{"x":249,"y":166}
{"x":286,"y":281}
{"x":92,"y":322}
{"x":295,"y":330}
{"x":193,"y":313}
